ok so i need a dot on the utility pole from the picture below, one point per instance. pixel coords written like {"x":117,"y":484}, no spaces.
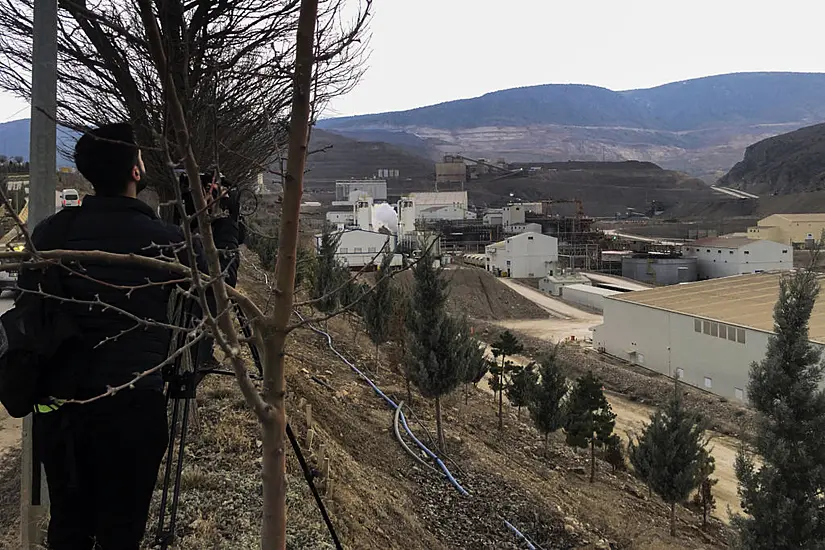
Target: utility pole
{"x":34,"y":497}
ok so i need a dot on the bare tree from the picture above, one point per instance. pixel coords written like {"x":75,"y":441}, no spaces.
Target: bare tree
{"x":231,"y":65}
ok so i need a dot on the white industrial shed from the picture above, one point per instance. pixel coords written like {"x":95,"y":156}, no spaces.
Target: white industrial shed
{"x":445,"y":205}
{"x":357,"y":247}
{"x":708,"y":332}
{"x":523,"y":256}
{"x":724,"y":256}
{"x":586,"y":295}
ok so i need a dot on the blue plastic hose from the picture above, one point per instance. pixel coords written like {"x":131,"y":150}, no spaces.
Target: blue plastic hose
{"x":407,"y":429}
{"x":394,"y":406}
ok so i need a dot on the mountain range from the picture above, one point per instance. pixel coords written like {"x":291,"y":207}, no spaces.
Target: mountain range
{"x":701,"y":126}
{"x":784,"y":164}
{"x":14,"y":141}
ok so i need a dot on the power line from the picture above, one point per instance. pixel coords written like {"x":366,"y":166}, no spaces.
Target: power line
{"x":8,"y":118}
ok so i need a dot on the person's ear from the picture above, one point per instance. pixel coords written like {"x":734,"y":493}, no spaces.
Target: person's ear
{"x":135,"y":173}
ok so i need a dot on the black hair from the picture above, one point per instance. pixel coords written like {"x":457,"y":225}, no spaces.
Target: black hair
{"x":106,"y":156}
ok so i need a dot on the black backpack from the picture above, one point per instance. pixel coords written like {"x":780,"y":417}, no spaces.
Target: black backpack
{"x":37,"y":329}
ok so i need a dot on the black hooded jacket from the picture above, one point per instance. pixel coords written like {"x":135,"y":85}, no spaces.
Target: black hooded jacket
{"x":115,"y":345}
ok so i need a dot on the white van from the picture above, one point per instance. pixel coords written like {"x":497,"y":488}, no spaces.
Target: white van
{"x":71,"y":198}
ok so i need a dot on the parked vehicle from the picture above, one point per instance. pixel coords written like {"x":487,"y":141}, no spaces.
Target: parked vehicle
{"x":71,"y":198}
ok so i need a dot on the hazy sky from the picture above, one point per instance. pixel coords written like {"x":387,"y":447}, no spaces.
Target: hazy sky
{"x":428,"y":51}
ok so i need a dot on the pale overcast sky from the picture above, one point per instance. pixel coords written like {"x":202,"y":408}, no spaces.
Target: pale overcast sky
{"x":429,"y":51}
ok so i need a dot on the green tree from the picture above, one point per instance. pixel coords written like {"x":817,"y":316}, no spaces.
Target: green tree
{"x":547,"y":403}
{"x":704,"y":498}
{"x":613,"y":453}
{"x":329,"y":273}
{"x":671,"y":451}
{"x":398,"y":335}
{"x":507,"y":345}
{"x":304,"y":265}
{"x":477,"y":364}
{"x":435,"y":354}
{"x":590,"y":420}
{"x":522,"y":387}
{"x":378,"y":307}
{"x":783,"y":497}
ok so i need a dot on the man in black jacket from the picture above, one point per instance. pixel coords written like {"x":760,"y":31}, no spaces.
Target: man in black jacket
{"x":102,"y":458}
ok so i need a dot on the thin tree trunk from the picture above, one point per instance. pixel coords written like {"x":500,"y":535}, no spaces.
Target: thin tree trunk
{"x":501,"y":401}
{"x":272,"y":332}
{"x":672,"y":519}
{"x":466,"y":392}
{"x":592,"y":460}
{"x":273,"y":535}
{"x":546,"y":437}
{"x":409,"y":390}
{"x":441,"y":443}
{"x":518,"y":414}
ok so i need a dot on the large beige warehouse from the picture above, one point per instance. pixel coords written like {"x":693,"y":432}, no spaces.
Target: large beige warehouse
{"x":708,"y":332}
{"x":789,"y":228}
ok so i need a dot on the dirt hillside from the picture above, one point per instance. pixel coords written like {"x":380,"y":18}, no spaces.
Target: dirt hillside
{"x":479,"y":295}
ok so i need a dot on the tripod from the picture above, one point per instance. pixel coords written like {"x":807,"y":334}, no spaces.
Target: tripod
{"x":182,"y":380}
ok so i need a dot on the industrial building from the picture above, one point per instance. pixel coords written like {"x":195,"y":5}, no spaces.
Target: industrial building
{"x":523,"y":256}
{"x":555,"y":281}
{"x":725,"y":256}
{"x":707,"y":332}
{"x":341,"y":217}
{"x":447,"y":205}
{"x":451,"y":170}
{"x":359,"y":247}
{"x":351,"y":190}
{"x":791,"y":229}
{"x":587,"y":296}
{"x":659,"y":268}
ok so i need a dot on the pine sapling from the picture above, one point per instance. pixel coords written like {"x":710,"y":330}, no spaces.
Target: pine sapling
{"x":590,"y":419}
{"x":546,"y":405}
{"x":671,"y":450}
{"x":505,"y":346}
{"x":522,"y":387}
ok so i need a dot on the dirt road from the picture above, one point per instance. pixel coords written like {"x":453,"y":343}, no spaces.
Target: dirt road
{"x":630,"y":416}
{"x":555,"y":307}
{"x":564,"y":321}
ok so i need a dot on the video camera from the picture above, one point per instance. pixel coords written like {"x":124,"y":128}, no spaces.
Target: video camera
{"x":223,"y":193}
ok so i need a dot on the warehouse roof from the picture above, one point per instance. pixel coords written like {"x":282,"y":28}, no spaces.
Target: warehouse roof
{"x":812,"y":217}
{"x":442,"y":198}
{"x":723,"y":242}
{"x":744,"y":300}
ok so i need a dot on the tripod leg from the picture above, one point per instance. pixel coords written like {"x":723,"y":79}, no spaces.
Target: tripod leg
{"x":163,"y":535}
{"x":179,"y":468}
{"x":247,"y":332}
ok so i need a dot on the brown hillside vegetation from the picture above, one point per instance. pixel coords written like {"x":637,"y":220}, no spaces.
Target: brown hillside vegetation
{"x":603,"y":188}
{"x":765,"y":205}
{"x":787,"y":163}
{"x":477,"y":294}
{"x":338,"y":157}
